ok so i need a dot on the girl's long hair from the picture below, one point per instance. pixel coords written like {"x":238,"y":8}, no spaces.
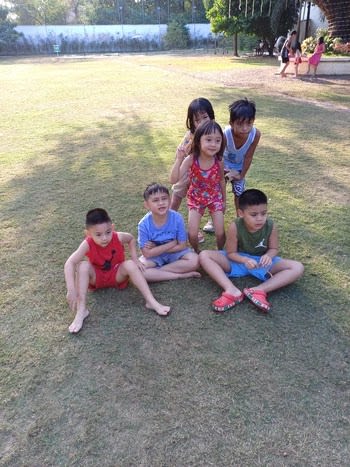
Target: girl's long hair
{"x":197,"y":106}
{"x":207,"y":128}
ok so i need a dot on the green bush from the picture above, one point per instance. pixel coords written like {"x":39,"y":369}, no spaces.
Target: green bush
{"x":309,"y":44}
{"x":177,"y":35}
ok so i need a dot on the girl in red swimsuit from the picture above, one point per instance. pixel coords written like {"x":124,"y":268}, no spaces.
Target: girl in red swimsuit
{"x":207,"y":182}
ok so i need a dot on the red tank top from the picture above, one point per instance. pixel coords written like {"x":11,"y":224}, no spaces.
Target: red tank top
{"x":105,"y":258}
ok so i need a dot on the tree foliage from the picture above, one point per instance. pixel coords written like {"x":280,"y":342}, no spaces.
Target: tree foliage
{"x":265,"y":18}
{"x":108,"y":11}
{"x":8,"y":34}
{"x":41,"y":11}
{"x":177,"y":35}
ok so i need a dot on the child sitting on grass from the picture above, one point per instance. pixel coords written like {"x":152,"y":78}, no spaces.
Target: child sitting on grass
{"x":106,"y":266}
{"x":251,"y":249}
{"x":162,"y":239}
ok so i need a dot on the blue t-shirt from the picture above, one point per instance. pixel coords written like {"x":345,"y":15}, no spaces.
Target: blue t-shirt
{"x":173,"y":229}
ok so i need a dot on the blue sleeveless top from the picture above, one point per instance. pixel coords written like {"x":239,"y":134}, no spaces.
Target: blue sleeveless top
{"x":233,"y":157}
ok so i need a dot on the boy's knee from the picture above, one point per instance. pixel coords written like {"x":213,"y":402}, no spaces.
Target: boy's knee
{"x":203,"y":256}
{"x":194,"y":259}
{"x":129,"y":263}
{"x":83,"y":267}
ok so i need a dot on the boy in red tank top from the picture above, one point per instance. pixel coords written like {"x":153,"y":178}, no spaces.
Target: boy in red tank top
{"x":105,"y":267}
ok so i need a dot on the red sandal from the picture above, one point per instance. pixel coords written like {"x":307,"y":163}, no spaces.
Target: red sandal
{"x":226,"y":301}
{"x":259,"y":298}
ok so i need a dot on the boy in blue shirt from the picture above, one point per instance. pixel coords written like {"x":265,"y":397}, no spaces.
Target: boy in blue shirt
{"x":162,"y":239}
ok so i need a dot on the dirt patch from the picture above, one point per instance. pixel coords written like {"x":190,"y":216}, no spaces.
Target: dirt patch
{"x":266,"y":79}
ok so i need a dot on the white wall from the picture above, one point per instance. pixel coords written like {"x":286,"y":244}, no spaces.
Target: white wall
{"x":100,"y":32}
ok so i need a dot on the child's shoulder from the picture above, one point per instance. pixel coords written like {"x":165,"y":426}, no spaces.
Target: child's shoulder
{"x":146,"y":217}
{"x":175,"y":214}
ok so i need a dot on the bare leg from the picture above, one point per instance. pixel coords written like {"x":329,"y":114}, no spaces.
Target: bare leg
{"x":236,"y":199}
{"x":216,"y":265}
{"x":218,"y":220}
{"x":283,"y":71}
{"x":183,"y":268}
{"x":175,"y":202}
{"x":85,"y":275}
{"x":129,"y":269}
{"x":284,"y":272}
{"x":194,"y":219}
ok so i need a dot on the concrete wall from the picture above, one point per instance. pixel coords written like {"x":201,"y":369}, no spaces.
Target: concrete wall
{"x":101,"y":32}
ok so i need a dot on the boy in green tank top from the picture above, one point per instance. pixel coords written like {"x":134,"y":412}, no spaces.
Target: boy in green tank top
{"x":251,"y":249}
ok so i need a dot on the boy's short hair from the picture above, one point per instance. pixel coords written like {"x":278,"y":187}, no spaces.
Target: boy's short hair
{"x":251,"y":197}
{"x":96,"y":216}
{"x":153,"y":188}
{"x":243,"y":109}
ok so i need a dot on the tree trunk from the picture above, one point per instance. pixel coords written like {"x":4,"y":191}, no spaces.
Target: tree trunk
{"x":235,"y":44}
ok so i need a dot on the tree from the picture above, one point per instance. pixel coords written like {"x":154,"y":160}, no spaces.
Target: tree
{"x":225,"y":16}
{"x":177,"y":35}
{"x":8,"y":34}
{"x":41,"y":12}
{"x":338,"y":15}
{"x":264,"y":18}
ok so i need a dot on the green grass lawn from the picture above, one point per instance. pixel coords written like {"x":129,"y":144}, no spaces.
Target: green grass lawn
{"x":197,"y":388}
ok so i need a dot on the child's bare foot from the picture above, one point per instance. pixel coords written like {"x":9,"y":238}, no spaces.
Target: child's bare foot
{"x":77,"y":324}
{"x":161,"y":310}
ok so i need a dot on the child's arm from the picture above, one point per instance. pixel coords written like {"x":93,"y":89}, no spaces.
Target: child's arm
{"x":266,"y":259}
{"x":185,"y":166}
{"x":150,"y":249}
{"x":181,"y":152}
{"x":70,"y":270}
{"x":249,"y":155}
{"x":231,"y":248}
{"x":223,"y":183}
{"x":129,"y":240}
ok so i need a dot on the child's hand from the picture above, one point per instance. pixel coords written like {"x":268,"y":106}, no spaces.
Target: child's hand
{"x":181,"y":153}
{"x":232,"y":174}
{"x":140,"y":265}
{"x":250,"y":263}
{"x":72,"y":299}
{"x":265,"y":261}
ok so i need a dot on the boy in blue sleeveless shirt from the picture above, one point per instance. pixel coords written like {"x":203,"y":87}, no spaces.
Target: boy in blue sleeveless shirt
{"x":251,"y":249}
{"x":242,"y":138}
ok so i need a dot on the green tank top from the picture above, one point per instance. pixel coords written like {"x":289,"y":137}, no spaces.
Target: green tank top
{"x":253,"y":243}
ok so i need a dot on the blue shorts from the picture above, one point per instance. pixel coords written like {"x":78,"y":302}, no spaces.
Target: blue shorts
{"x":238,"y":186}
{"x":241,"y":270}
{"x":167,"y":258}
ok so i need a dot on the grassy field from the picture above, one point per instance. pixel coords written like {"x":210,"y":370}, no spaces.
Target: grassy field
{"x":195,"y":389}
